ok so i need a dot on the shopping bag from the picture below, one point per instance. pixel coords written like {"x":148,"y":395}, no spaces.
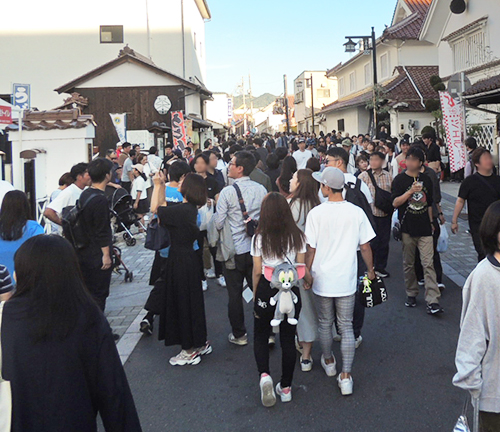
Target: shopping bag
{"x":462,"y":424}
{"x":206,"y":213}
{"x":373,"y":292}
{"x":442,"y":244}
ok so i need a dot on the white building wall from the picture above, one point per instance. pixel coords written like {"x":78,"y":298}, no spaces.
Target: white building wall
{"x":64,"y":148}
{"x":400,"y":121}
{"x":49,"y":52}
{"x":217,"y":109}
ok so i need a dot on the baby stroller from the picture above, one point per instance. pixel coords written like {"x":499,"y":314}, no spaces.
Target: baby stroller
{"x":122,"y":210}
{"x":118,"y":262}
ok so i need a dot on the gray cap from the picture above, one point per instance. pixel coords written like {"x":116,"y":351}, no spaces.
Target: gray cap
{"x":331,"y":177}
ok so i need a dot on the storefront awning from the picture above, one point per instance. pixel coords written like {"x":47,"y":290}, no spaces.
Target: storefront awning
{"x":199,"y":123}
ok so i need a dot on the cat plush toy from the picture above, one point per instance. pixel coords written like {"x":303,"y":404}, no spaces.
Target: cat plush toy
{"x":284,"y":277}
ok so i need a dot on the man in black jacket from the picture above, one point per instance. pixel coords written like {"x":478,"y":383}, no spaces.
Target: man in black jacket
{"x":97,"y":257}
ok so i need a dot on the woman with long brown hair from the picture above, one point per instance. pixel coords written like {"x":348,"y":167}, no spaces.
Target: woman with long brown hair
{"x":277,"y":240}
{"x":303,"y":198}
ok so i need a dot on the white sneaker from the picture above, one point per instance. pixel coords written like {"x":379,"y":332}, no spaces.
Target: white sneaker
{"x":421,"y":282}
{"x":345,"y":385}
{"x":337,"y":338}
{"x":284,"y":394}
{"x":204,"y":285}
{"x":243,"y":340}
{"x":359,"y":339}
{"x":306,"y":365}
{"x":330,"y":369}
{"x":298,"y":347}
{"x":441,"y":286}
{"x":210,"y":273}
{"x":184,"y":358}
{"x":205,"y":349}
{"x":271,"y":341}
{"x":222,"y":281}
{"x":267,"y":395}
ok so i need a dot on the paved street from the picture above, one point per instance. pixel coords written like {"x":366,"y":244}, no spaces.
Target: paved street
{"x":402,"y":371}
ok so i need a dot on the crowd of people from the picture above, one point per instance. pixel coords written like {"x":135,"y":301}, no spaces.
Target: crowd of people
{"x":235,"y":211}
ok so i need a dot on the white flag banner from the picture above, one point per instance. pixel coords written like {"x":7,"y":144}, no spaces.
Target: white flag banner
{"x":120,"y":124}
{"x":453,"y":121}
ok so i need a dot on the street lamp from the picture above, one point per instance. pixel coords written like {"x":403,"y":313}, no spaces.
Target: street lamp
{"x":350,"y":47}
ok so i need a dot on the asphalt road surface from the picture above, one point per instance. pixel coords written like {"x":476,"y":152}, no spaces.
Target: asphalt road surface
{"x":402,"y":375}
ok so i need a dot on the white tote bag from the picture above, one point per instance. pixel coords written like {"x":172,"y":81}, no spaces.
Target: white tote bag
{"x":5,"y":393}
{"x":206,"y":213}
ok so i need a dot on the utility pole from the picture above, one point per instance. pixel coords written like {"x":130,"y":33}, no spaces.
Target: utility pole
{"x":148,"y":31}
{"x":375,"y":81}
{"x":244,"y":105}
{"x":312,"y":102}
{"x":285,"y":82}
{"x":251,"y":99}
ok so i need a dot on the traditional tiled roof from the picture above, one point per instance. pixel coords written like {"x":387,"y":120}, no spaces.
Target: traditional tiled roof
{"x":483,"y":86}
{"x":475,"y":69}
{"x":54,"y":119}
{"x":411,"y":26}
{"x":402,"y":88}
{"x":128,"y":55}
{"x":462,"y":30}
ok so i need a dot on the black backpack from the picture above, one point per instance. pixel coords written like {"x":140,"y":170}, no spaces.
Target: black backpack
{"x":355,"y":195}
{"x":73,"y":225}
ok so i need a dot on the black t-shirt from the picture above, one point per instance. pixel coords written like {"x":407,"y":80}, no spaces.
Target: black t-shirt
{"x":98,"y":226}
{"x":213,"y":187}
{"x":433,"y":153}
{"x":416,"y":221}
{"x":479,"y":192}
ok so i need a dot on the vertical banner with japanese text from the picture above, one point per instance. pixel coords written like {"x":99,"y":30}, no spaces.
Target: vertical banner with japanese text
{"x":178,"y":130}
{"x":453,"y":121}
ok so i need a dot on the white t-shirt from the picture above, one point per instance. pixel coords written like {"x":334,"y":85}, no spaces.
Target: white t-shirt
{"x":256,"y":250}
{"x":351,"y":178}
{"x":155,"y":162}
{"x":67,"y":197}
{"x":302,"y":157}
{"x":336,"y":230}
{"x":139,"y":185}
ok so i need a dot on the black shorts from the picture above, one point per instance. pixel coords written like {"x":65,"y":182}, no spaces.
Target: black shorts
{"x":142,"y":207}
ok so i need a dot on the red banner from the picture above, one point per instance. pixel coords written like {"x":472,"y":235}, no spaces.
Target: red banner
{"x":178,"y":130}
{"x":5,"y":115}
{"x":453,"y":120}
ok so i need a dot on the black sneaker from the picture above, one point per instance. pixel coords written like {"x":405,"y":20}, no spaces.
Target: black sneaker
{"x":434,"y":309}
{"x":411,"y":302}
{"x":146,"y":327}
{"x":382,"y":273}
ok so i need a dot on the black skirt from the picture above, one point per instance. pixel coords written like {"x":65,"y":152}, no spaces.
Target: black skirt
{"x":142,"y":207}
{"x":182,"y":318}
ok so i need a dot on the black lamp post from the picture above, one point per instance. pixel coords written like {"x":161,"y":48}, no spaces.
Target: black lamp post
{"x":350,"y":47}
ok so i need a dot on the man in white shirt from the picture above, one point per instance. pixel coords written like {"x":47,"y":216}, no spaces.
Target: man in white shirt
{"x":348,"y":147}
{"x":302,"y":155}
{"x":69,"y":196}
{"x":154,"y":160}
{"x":334,"y":231}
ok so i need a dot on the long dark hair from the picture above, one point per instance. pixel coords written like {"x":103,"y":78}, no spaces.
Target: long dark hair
{"x":287,"y":171}
{"x":306,"y":193}
{"x":280,"y":234}
{"x":48,"y":273}
{"x":14,"y":214}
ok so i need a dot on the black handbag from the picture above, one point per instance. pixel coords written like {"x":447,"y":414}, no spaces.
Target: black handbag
{"x":157,"y":236}
{"x":397,"y":232}
{"x":383,"y":198}
{"x":250,"y":224}
{"x":373,"y":292}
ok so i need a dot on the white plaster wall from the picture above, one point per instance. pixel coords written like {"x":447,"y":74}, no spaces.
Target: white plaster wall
{"x":402,"y":118}
{"x":64,"y":44}
{"x":475,"y":10}
{"x":217,"y":110}
{"x":64,"y":148}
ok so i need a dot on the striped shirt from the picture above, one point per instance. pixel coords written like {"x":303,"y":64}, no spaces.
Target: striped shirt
{"x":6,"y":284}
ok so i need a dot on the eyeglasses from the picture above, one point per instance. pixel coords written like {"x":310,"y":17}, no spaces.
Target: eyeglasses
{"x":115,"y":158}
{"x":330,"y":160}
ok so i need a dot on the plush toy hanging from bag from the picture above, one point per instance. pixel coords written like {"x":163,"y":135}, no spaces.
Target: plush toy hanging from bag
{"x":284,"y":277}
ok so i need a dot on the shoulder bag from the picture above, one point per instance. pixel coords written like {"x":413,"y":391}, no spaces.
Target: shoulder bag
{"x":5,"y":391}
{"x":382,"y":197}
{"x":157,"y":236}
{"x":250,"y":224}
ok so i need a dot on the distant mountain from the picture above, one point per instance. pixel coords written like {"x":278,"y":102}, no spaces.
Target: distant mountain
{"x":258,"y":102}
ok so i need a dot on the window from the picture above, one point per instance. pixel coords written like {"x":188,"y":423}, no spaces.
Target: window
{"x":384,"y":65}
{"x":341,"y":87}
{"x":299,"y":97}
{"x":352,"y":82}
{"x":469,"y":50}
{"x":111,"y":34}
{"x":368,"y":74}
{"x":322,"y":93}
{"x":341,"y":125}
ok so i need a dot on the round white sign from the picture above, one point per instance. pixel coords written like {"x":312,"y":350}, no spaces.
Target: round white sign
{"x":162,"y":104}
